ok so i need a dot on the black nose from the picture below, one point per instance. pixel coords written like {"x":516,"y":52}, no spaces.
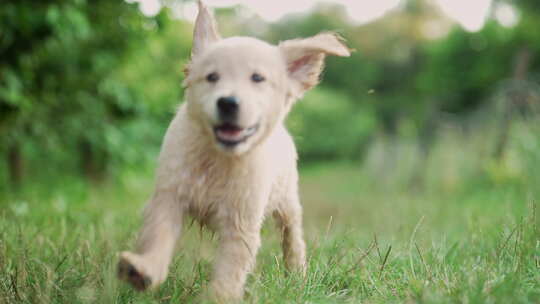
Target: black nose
{"x":227,"y":107}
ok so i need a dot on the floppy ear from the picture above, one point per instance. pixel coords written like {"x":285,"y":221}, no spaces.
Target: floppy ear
{"x":205,"y":32}
{"x":305,"y":58}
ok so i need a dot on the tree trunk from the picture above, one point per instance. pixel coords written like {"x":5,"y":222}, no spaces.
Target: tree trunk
{"x":15,"y":165}
{"x":426,"y":139}
{"x":92,"y":162}
{"x":514,"y":97}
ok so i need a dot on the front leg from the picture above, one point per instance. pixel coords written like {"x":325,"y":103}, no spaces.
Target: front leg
{"x":235,"y":259}
{"x":148,"y":266}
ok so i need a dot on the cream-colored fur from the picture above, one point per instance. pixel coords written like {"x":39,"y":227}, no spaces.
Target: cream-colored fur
{"x":230,"y":189}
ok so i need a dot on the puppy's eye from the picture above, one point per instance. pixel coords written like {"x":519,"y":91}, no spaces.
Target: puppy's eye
{"x":256,"y":77}
{"x":212,"y":77}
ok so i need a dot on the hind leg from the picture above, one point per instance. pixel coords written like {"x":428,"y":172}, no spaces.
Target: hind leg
{"x":289,"y":219}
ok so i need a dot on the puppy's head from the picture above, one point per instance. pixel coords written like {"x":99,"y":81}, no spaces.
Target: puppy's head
{"x":240,"y":88}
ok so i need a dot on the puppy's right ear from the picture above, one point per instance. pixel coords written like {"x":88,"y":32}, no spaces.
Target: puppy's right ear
{"x":205,"y":32}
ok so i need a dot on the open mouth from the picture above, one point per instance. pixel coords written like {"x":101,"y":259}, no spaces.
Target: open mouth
{"x":231,"y":135}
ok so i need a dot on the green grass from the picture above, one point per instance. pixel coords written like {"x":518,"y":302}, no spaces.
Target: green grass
{"x":369,"y":241}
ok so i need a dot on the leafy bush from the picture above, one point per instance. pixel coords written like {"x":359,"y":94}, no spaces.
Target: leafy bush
{"x":317,"y":124}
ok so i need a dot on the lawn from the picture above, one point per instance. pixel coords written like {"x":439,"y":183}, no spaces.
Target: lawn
{"x":370,"y":240}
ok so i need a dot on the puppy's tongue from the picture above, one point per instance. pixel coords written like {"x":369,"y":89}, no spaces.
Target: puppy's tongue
{"x":230,"y":133}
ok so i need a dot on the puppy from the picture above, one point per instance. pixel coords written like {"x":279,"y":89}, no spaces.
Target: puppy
{"x":227,"y":159}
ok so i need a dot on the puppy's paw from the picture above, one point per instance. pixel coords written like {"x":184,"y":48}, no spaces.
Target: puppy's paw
{"x":222,"y":292}
{"x":296,"y":266}
{"x":130,"y":269}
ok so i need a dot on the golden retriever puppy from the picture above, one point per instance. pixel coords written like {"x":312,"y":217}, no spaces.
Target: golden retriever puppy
{"x":227,"y":159}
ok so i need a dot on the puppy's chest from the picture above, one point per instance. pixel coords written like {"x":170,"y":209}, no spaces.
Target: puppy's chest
{"x":216,"y":192}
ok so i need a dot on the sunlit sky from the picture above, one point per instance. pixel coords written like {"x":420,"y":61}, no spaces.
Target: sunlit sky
{"x":471,"y":14}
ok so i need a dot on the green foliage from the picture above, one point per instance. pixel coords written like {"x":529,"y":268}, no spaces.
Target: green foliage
{"x":459,"y":89}
{"x":154,"y":69}
{"x":58,"y":90}
{"x":83,"y":80}
{"x":316,"y":124}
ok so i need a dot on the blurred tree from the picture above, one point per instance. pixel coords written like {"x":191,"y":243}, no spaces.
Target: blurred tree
{"x":56,"y":89}
{"x":317,"y":123}
{"x":22,"y":31}
{"x":525,"y":47}
{"x":82,"y":80}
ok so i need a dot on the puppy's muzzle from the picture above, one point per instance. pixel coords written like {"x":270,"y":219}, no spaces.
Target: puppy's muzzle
{"x":228,"y":132}
{"x":227,"y":108}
